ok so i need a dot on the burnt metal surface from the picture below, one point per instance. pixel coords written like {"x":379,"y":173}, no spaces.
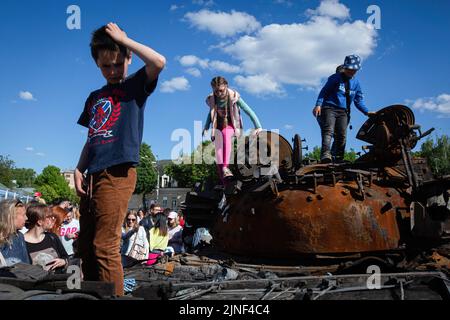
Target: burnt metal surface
{"x":331,"y":219}
{"x":383,"y":202}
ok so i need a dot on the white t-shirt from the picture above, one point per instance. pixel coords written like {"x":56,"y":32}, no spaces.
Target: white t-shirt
{"x":70,"y":228}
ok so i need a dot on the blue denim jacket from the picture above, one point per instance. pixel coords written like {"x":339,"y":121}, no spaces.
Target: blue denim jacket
{"x":16,"y":250}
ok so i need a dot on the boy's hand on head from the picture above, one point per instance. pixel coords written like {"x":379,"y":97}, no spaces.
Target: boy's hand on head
{"x":116,"y":33}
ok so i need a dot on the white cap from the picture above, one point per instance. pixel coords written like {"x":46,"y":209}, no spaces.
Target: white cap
{"x":172,"y":215}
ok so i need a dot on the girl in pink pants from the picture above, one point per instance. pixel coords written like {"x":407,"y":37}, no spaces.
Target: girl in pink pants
{"x":225,"y":116}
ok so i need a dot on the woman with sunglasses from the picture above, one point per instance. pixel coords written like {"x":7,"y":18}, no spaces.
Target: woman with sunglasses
{"x":12,"y":244}
{"x":45,"y":248}
{"x":135,"y":244}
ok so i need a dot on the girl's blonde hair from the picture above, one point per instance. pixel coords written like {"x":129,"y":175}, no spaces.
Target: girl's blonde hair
{"x":130,"y":213}
{"x":8,"y":210}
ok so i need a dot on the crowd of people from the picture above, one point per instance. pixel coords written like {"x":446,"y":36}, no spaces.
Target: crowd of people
{"x":46,"y":235}
{"x":148,"y":235}
{"x":38,"y":234}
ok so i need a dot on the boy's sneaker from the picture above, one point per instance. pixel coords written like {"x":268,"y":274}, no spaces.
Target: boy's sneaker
{"x":326,"y":160}
{"x":227,"y":173}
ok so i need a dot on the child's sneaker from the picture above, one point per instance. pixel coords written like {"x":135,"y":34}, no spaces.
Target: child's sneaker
{"x":227,"y":172}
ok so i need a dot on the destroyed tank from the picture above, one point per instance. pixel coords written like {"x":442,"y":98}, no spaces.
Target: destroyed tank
{"x":290,"y":207}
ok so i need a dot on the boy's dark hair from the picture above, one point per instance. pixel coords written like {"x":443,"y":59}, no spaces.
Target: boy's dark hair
{"x":102,"y":41}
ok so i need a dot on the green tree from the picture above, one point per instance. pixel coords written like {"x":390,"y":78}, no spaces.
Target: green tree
{"x":147,"y":176}
{"x":24,"y":177}
{"x":350,"y":155}
{"x":52,"y":185}
{"x":6,"y":171}
{"x":188,"y":172}
{"x":315,"y":154}
{"x":437,"y":154}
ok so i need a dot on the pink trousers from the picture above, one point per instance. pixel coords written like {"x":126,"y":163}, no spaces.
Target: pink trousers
{"x":223,"y":145}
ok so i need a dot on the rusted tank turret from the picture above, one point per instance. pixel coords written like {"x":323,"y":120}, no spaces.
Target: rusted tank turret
{"x":288,"y":206}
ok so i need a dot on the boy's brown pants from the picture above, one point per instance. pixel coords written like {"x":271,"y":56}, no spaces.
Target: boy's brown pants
{"x":101,"y":217}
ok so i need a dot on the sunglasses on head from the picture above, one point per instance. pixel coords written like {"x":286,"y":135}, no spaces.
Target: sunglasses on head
{"x":18,"y":203}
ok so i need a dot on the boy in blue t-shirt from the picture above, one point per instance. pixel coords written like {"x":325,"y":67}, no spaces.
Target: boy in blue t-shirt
{"x":332,"y":108}
{"x":114,"y":116}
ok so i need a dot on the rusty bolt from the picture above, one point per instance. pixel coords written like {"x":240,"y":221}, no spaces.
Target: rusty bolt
{"x":309,"y":198}
{"x":319,"y":196}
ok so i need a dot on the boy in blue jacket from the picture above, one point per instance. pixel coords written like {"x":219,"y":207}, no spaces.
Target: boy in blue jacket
{"x":332,"y":108}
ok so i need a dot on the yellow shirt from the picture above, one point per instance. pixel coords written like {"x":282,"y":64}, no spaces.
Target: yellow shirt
{"x":157,"y":241}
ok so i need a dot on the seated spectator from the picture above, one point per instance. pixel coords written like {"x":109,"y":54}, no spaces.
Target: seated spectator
{"x":159,"y":236}
{"x":12,"y":244}
{"x":175,"y":233}
{"x":69,"y":232}
{"x":59,"y":215}
{"x":149,"y":219}
{"x":134,"y":240}
{"x":181,"y":221}
{"x":140,"y":215}
{"x":44,"y":248}
{"x":37,"y":198}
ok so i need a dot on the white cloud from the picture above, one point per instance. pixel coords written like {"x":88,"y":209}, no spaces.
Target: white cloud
{"x":288,"y":126}
{"x":258,"y":84}
{"x":206,"y":3}
{"x":222,"y":23}
{"x":29,"y":148}
{"x":301,"y":54}
{"x":215,"y":65}
{"x":40,"y":154}
{"x":175,"y":84}
{"x":330,"y":8}
{"x":224,"y":67}
{"x":439,"y":104}
{"x":287,"y":3}
{"x":191,"y":60}
{"x":26,"y":95}
{"x":174,"y":7}
{"x":194,"y":72}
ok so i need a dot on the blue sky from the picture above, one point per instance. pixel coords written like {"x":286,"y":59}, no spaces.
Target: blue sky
{"x":276,"y":53}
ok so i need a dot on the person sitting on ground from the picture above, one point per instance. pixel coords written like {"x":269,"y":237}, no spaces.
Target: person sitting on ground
{"x":175,"y":233}
{"x":12,"y":243}
{"x":134,"y":237}
{"x":159,"y":235}
{"x":149,"y":220}
{"x":69,"y":232}
{"x":181,"y":220}
{"x":59,"y":215}
{"x":38,"y":198}
{"x":140,"y":215}
{"x":44,"y":248}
